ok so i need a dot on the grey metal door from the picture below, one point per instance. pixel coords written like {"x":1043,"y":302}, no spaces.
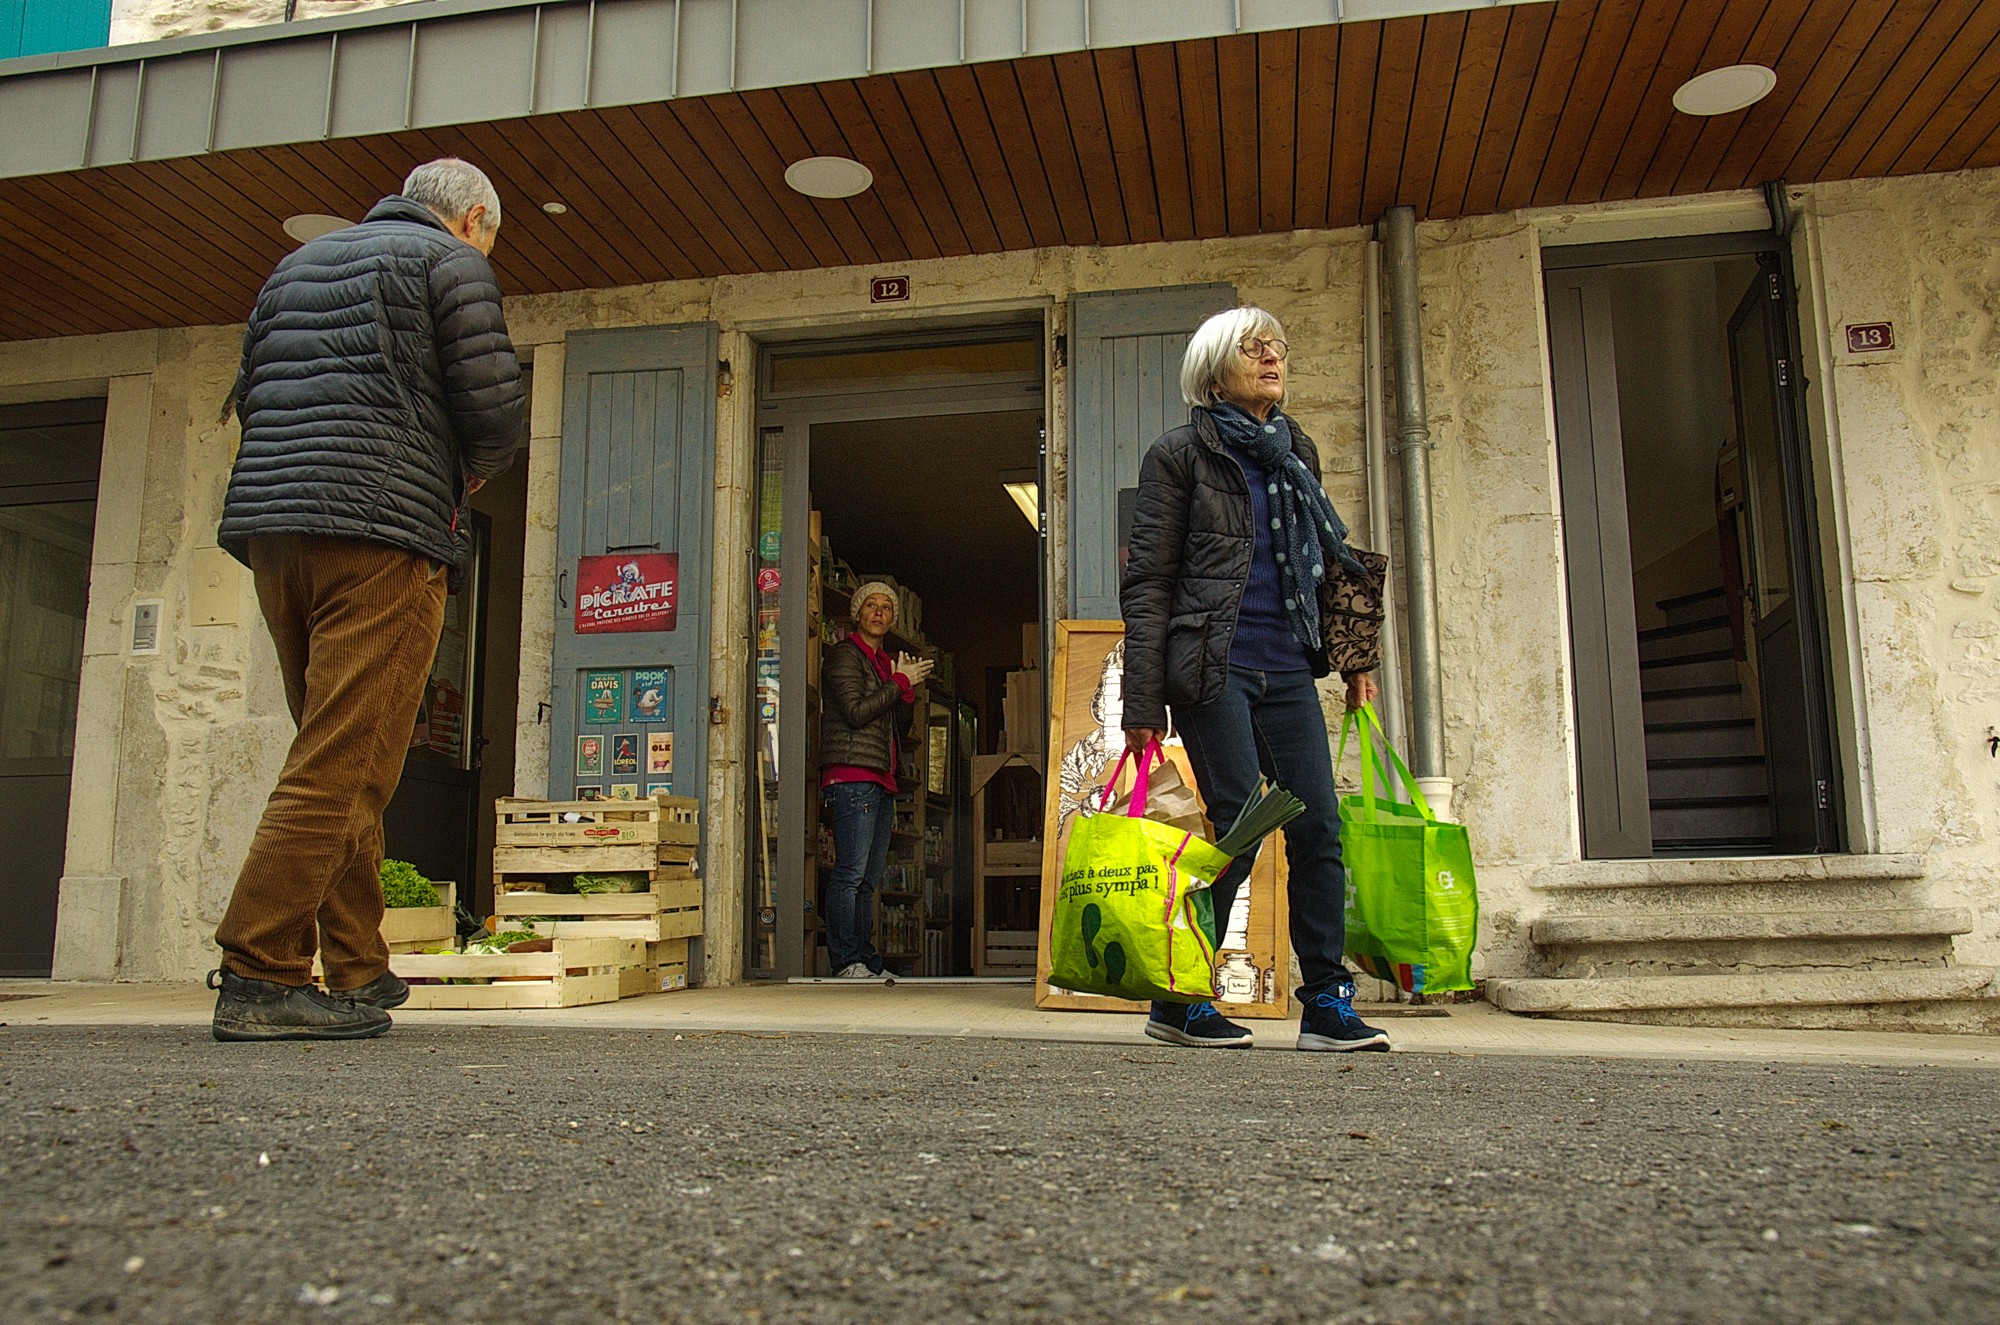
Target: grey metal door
{"x":637,"y":453}
{"x":49,"y":456}
{"x":1125,"y":353}
{"x":1779,"y":564}
{"x":1610,"y":715}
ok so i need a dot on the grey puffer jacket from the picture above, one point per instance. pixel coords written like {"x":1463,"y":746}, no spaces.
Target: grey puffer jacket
{"x":1189,"y":560}
{"x":862,"y":713}
{"x":377,"y":377}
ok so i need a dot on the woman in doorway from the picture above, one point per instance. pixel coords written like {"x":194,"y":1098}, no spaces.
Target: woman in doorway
{"x":1231,"y":540}
{"x":868,"y":697}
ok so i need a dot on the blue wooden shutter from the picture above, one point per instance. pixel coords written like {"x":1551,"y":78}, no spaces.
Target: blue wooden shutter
{"x":1125,"y":353}
{"x":41,"y":27}
{"x":637,"y":451}
{"x":12,"y":13}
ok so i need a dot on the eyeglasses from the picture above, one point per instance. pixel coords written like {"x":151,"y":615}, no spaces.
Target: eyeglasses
{"x":1255,"y":348}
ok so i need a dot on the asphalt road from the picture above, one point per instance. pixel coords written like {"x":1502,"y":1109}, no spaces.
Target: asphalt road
{"x":448,"y":1174}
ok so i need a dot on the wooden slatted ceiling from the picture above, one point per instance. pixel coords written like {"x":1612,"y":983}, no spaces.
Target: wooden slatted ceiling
{"x":1453,"y":114}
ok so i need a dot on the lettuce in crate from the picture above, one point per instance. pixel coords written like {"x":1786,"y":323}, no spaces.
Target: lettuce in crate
{"x":403,"y":886}
{"x":616,"y":881}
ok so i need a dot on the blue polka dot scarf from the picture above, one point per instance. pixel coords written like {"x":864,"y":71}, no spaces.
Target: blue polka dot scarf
{"x":1307,"y":534}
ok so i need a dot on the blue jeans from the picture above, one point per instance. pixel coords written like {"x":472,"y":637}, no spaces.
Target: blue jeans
{"x":1271,"y":723}
{"x":862,"y":815}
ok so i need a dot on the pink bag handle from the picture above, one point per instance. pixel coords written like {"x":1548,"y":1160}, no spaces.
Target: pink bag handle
{"x":1140,"y":782}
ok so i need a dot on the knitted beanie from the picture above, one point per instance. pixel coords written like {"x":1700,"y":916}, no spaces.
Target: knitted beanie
{"x":869,"y":590}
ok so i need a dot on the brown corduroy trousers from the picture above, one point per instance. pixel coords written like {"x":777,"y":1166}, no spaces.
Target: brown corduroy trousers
{"x":356,"y":625}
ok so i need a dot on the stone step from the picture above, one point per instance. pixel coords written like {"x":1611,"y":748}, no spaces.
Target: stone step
{"x":1663,"y":885}
{"x":1694,"y":606}
{"x":1948,"y":998}
{"x":1702,"y":636}
{"x":1700,"y":899}
{"x":1705,"y":703}
{"x":1755,"y":926}
{"x":1585,"y":875}
{"x":1722,"y":775}
{"x":1729,"y":818}
{"x":1669,"y":674}
{"x":1723,"y":738}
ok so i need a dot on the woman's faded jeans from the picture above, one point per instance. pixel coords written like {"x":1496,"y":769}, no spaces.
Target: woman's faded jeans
{"x":862,"y":815}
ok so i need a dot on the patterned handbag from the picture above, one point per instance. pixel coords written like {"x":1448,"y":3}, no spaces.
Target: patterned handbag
{"x":1350,"y":614}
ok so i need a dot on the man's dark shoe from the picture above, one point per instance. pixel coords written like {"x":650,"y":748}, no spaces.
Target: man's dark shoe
{"x":1329,"y":1024}
{"x":385,"y":991}
{"x":1195,"y":1026}
{"x":264,"y":1010}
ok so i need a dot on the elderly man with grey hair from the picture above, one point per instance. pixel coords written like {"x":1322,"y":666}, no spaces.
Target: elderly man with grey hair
{"x":378,"y":390}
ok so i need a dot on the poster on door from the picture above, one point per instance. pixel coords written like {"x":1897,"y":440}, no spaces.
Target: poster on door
{"x":627,"y":592}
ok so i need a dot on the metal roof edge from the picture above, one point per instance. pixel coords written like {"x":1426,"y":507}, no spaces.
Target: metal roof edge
{"x":432,"y":63}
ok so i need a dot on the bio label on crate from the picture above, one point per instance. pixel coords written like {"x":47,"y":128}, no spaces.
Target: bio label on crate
{"x":603,"y":696}
{"x":627,"y":592}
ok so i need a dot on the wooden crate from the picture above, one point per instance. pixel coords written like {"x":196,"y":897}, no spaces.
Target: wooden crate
{"x":580,"y":971}
{"x":664,"y":969}
{"x":653,"y":820}
{"x":1020,"y":851}
{"x":414,"y":928}
{"x":1009,"y":952}
{"x":669,"y":909}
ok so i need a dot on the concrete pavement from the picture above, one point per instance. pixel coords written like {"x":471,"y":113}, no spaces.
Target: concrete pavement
{"x":555,"y":1172}
{"x":1008,"y":1012}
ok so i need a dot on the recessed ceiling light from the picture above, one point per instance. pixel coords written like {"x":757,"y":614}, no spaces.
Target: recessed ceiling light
{"x":311,"y":225}
{"x":555,"y":208}
{"x":829,"y":176}
{"x":1720,"y":91}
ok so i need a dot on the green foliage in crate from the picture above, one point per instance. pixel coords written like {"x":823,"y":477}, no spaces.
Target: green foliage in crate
{"x":403,"y":886}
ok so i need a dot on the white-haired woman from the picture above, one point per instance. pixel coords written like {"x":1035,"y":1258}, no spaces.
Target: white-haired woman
{"x":868,"y":698}
{"x":1231,"y":539}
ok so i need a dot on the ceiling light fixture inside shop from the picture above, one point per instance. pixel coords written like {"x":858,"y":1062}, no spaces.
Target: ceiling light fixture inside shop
{"x":1027,"y":494}
{"x":308,"y":226}
{"x":829,"y":177}
{"x":1720,"y":91}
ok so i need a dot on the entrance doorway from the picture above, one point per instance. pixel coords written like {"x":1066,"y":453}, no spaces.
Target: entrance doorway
{"x":49,"y":456}
{"x":1702,"y":704}
{"x":915,"y":461}
{"x":440,"y":819}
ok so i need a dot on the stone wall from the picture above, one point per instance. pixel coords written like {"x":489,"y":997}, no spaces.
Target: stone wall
{"x":157,"y":20}
{"x":193,"y":738}
{"x":1916,"y":441}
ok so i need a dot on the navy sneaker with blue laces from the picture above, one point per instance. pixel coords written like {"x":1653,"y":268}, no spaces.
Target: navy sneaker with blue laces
{"x":1195,"y":1026}
{"x":1329,"y":1024}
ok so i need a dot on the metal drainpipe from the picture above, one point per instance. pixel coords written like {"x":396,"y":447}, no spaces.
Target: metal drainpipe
{"x":1390,"y":675}
{"x":1398,"y":232}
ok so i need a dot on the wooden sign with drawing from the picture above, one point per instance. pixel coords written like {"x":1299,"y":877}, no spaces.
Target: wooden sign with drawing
{"x":1086,"y":736}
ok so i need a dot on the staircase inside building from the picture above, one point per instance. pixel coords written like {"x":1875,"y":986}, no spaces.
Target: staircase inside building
{"x":1713,"y":929}
{"x":1704,"y":752}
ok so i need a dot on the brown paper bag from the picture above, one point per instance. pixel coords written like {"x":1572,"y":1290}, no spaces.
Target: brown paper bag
{"x":1169,"y":801}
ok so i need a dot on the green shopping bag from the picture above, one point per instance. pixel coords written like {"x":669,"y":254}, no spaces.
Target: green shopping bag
{"x":1133,"y":918}
{"x":1412,"y":904}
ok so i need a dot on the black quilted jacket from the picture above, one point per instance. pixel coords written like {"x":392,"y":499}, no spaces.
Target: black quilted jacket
{"x":377,"y":377}
{"x":1189,"y":559}
{"x":862,"y":713}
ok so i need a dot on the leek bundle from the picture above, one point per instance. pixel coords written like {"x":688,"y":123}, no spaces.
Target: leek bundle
{"x":1269,"y":808}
